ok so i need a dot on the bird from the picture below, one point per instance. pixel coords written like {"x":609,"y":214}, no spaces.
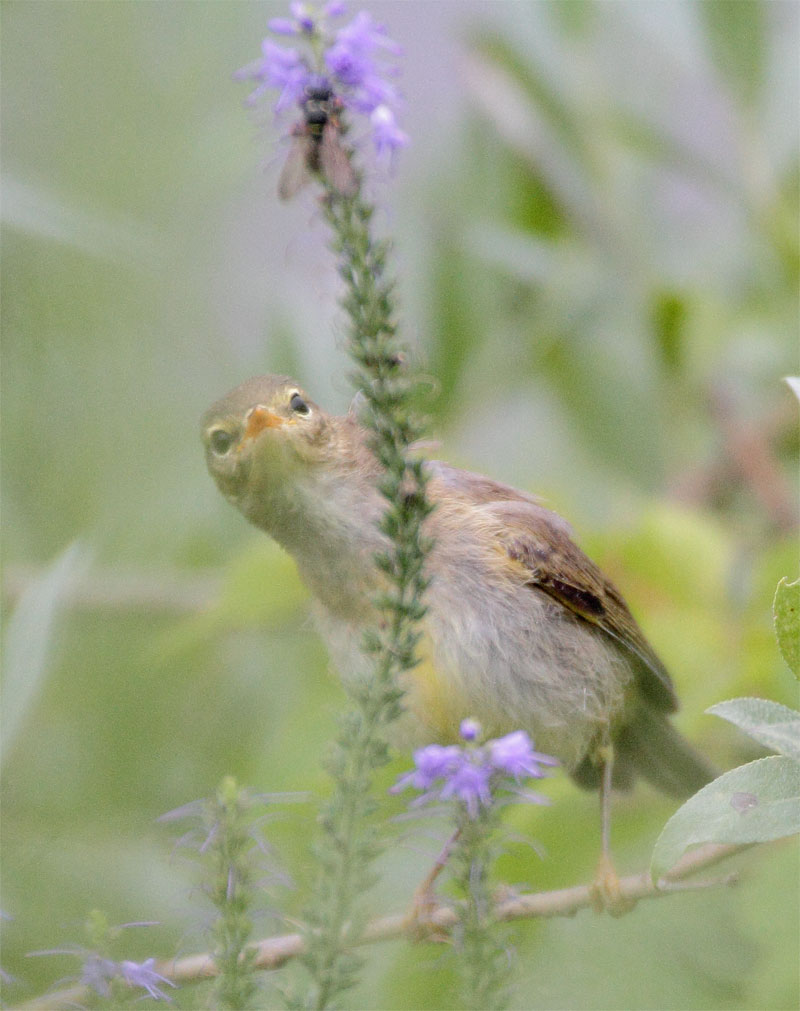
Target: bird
{"x":521,"y":631}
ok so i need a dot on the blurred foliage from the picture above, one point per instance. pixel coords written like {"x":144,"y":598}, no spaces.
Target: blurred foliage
{"x":28,"y":644}
{"x":754,"y":803}
{"x":599,"y":244}
{"x":786,"y":608}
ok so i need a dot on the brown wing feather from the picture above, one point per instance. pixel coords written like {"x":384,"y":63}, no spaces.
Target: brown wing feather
{"x":559,"y":568}
{"x":540,"y":540}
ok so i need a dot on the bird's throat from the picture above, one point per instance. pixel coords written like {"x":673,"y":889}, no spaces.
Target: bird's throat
{"x":328,"y":522}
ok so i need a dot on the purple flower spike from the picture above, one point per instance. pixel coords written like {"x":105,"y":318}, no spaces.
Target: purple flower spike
{"x":470,"y":783}
{"x":432,"y":763}
{"x":284,"y":69}
{"x":386,"y":134}
{"x":302,"y":21}
{"x":514,"y":755}
{"x":144,"y":975}
{"x":475,"y":776}
{"x":97,"y":972}
{"x":470,"y":730}
{"x":282,"y":26}
{"x":364,"y":36}
{"x":357,"y":61}
{"x":353,"y":60}
{"x":349,"y":67}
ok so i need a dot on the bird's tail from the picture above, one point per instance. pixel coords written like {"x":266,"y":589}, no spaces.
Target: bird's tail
{"x":652,"y":748}
{"x":649,"y":746}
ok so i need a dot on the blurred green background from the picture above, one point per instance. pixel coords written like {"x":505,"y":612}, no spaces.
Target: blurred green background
{"x":597,"y":245}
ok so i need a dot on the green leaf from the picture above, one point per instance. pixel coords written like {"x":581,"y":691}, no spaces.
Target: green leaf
{"x":669,"y":314}
{"x":767,"y":722}
{"x":786,"y":611}
{"x":41,"y":213}
{"x":574,"y":18}
{"x":27,"y":656}
{"x":736,"y":33}
{"x":754,"y":803}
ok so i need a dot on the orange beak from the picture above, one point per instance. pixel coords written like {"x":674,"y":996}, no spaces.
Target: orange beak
{"x":259,"y":418}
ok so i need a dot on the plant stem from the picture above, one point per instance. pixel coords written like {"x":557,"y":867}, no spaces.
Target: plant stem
{"x":481,"y":957}
{"x":350,"y":840}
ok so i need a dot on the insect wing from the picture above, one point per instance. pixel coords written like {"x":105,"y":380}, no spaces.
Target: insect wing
{"x":335,"y":163}
{"x":295,"y":172}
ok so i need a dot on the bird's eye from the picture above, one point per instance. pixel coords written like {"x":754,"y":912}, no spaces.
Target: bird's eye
{"x":221,"y":441}
{"x":298,"y":405}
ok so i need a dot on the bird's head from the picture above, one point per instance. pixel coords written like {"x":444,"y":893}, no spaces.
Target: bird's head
{"x":263,"y":435}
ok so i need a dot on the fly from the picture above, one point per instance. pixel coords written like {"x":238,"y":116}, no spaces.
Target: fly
{"x":316,"y":147}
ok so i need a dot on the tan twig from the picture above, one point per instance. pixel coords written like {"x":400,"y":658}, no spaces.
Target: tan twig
{"x":273,"y":952}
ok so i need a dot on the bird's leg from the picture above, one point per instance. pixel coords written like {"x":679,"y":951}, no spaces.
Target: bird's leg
{"x":606,"y":891}
{"x":423,"y":903}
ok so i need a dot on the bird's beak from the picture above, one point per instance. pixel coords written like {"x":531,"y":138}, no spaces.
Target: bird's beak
{"x":257,"y":419}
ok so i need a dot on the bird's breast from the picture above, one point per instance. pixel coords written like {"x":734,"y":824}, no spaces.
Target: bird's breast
{"x":494,"y":649}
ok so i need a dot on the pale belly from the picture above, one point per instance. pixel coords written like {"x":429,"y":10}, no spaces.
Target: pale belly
{"x":537,"y":669}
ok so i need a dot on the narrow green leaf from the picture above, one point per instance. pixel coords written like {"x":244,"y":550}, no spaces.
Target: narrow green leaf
{"x":575,"y":18}
{"x":754,"y":803}
{"x":29,"y":639}
{"x":767,"y":722}
{"x":549,"y":99}
{"x":736,"y":33}
{"x":42,"y":213}
{"x":669,"y":316}
{"x":786,"y":611}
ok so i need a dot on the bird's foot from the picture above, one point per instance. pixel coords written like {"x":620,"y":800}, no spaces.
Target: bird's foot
{"x":419,"y":921}
{"x":606,"y":890}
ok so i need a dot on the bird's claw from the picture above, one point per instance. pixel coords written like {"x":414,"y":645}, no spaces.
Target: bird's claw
{"x":606,"y":890}
{"x":419,"y":923}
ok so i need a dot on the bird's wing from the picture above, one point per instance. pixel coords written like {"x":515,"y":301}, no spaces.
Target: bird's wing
{"x":541,"y":542}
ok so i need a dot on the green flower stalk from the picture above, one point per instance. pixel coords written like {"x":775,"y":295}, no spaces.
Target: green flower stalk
{"x":483,"y":960}
{"x":228,"y":837}
{"x":350,"y":841}
{"x":340,"y":74}
{"x":232,"y":890}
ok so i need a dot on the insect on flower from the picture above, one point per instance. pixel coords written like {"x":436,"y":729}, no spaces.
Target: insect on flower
{"x":316,"y":148}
